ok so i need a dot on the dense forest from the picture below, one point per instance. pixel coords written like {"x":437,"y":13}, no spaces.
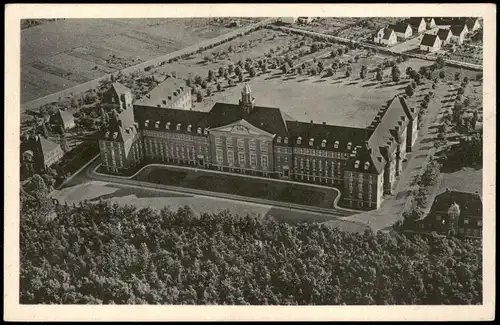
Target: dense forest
{"x":101,"y":253}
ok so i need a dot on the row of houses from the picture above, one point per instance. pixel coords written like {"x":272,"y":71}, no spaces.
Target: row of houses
{"x":405,"y":29}
{"x":454,"y":34}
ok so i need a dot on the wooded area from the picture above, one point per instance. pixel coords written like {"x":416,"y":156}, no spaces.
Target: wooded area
{"x":108,"y":254}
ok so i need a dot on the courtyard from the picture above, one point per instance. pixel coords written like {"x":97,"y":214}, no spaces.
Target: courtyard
{"x":302,"y":194}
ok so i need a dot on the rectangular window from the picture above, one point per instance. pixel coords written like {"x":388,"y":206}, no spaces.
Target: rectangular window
{"x":264,"y":162}
{"x":253,"y":159}
{"x":241,"y":145}
{"x":229,"y":143}
{"x":252,"y":145}
{"x":241,"y":158}
{"x":220,"y":159}
{"x":263,"y":146}
{"x":230,"y":157}
{"x":218,"y":142}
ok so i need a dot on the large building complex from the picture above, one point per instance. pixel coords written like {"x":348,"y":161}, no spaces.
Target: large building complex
{"x":255,"y":140}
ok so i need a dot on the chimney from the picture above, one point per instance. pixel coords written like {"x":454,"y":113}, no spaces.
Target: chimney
{"x":400,"y":123}
{"x":397,"y":128}
{"x":169,"y":97}
{"x":164,"y":102}
{"x":127,"y":130}
{"x":379,"y":159}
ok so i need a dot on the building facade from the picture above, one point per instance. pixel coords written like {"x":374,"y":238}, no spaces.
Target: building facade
{"x":254,"y":140}
{"x":458,"y":33}
{"x":386,"y":36}
{"x":430,"y":43}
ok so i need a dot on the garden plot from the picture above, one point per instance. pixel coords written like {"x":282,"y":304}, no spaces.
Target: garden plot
{"x":44,"y":80}
{"x":78,"y":69}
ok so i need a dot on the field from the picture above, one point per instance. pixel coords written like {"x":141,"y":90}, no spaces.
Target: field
{"x":61,"y":54}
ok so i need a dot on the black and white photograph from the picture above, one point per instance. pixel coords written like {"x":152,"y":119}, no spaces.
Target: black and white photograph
{"x":251,"y":158}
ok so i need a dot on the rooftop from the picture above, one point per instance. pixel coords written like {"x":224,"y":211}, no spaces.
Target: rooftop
{"x":165,"y":93}
{"x":429,"y":39}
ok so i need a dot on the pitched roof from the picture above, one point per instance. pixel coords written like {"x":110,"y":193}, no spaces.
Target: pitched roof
{"x":330,"y":133}
{"x":470,"y":22}
{"x":400,"y":27}
{"x":165,"y":93}
{"x":456,"y":30}
{"x":387,"y":33}
{"x":367,"y":161}
{"x":443,"y":33}
{"x":415,"y":21}
{"x":384,"y":138}
{"x":269,"y":119}
{"x":429,"y":39}
{"x":469,"y":203}
{"x":165,"y":115}
{"x":48,"y":146}
{"x":119,"y":88}
{"x":66,"y":117}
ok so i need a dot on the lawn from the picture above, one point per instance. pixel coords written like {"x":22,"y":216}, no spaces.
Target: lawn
{"x":336,"y":100}
{"x":256,"y":188}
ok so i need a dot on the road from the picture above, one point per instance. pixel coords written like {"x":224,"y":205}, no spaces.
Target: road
{"x":35,"y":104}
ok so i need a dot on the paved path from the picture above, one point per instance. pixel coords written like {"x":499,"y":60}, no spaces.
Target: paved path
{"x":393,"y":205}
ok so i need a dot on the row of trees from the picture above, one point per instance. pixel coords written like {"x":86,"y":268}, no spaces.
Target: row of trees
{"x":107,"y":254}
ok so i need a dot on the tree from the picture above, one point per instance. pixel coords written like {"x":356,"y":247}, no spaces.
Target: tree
{"x":362,"y":74}
{"x":221,"y":72}
{"x":466,"y":80}
{"x":252,"y":72}
{"x":284,"y":69}
{"x":356,"y":58}
{"x":299,"y":70}
{"x":410,"y":72}
{"x":237,"y":70}
{"x":189,"y":82}
{"x":320,"y":66}
{"x":348,"y":71}
{"x":440,"y":62}
{"x":396,"y":74}
{"x":457,"y":76}
{"x":204,"y":84}
{"x":417,"y":78}
{"x":209,"y":92}
{"x":442,"y":75}
{"x":314,"y":48}
{"x":460,"y":91}
{"x":210,"y":75}
{"x":240,"y":78}
{"x":199,"y":97}
{"x":333,"y":53}
{"x":409,"y":90}
{"x":219,"y":87}
{"x":198,"y":80}
{"x":230,"y":82}
{"x":328,"y":72}
{"x":340,"y":51}
{"x":346,"y":49}
{"x":431,"y":174}
{"x":379,"y":75}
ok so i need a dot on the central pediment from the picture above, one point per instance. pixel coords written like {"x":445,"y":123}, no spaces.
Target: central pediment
{"x":242,"y":127}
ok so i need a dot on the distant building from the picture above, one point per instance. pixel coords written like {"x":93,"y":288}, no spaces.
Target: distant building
{"x":458,"y":33}
{"x":403,"y":30}
{"x":430,"y":23}
{"x":386,"y":36}
{"x":430,"y":43}
{"x":117,"y":97}
{"x":171,"y":93}
{"x":444,"y":35}
{"x":417,"y":24}
{"x":63,"y":119}
{"x":305,"y":20}
{"x":455,"y":212}
{"x":40,"y":153}
{"x":287,"y":20}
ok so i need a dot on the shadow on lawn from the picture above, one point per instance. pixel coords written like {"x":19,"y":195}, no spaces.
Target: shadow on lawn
{"x":302,"y":80}
{"x":139,"y":193}
{"x":318,"y":81}
{"x":370,"y":84}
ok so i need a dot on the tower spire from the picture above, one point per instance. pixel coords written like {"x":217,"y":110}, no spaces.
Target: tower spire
{"x":247,"y":101}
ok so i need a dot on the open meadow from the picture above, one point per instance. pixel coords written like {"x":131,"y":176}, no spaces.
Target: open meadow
{"x":61,"y":54}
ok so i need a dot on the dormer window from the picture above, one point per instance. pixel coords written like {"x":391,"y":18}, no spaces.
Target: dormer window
{"x":107,"y":135}
{"x":336,"y":145}
{"x":189,"y":128}
{"x":205,"y":131}
{"x":178,"y":128}
{"x":367,"y":165}
{"x":146,"y":123}
{"x":167,"y":126}
{"x":115,"y":135}
{"x":285,"y":140}
{"x":157,"y":124}
{"x":198,"y":130}
{"x":349,"y":146}
{"x":278,"y":139}
{"x":323,"y":143}
{"x":299,"y":140}
{"x":311,"y":141}
{"x":356,"y":164}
